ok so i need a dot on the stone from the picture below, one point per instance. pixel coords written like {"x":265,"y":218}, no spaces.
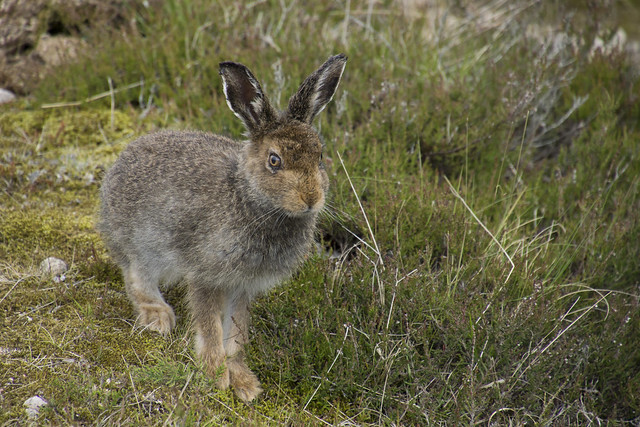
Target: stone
{"x":58,"y":50}
{"x":54,"y":267}
{"x":6,"y":96}
{"x":33,"y":405}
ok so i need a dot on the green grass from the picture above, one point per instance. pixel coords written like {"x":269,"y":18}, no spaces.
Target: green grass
{"x":490,"y":165}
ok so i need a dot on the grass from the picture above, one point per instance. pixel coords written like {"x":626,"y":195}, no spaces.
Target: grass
{"x":486,"y":157}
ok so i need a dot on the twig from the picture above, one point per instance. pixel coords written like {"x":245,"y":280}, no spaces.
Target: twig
{"x":166,"y":422}
{"x":92,"y":98}
{"x":10,"y":290}
{"x":113,"y":101}
{"x":338,"y":354}
{"x":455,"y":193}
{"x":560,"y":334}
{"x":373,"y":238}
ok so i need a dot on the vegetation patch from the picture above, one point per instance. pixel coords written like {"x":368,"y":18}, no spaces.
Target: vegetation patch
{"x":479,"y":265}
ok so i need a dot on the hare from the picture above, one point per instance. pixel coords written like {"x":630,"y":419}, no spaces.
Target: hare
{"x":230,"y":218}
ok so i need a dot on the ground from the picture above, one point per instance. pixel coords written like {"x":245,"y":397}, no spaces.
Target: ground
{"x":486,"y":156}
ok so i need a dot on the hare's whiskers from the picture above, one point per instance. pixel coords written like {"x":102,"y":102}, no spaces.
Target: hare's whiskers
{"x":257,"y":222}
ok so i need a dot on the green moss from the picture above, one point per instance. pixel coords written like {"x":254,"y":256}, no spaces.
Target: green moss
{"x":60,"y":127}
{"x":13,"y":122}
{"x":30,"y":236}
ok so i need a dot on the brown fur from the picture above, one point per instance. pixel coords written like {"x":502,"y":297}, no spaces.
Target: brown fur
{"x":211,"y":211}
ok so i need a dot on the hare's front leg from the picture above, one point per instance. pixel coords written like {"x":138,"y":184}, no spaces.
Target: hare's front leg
{"x":207,"y":307}
{"x":154,"y":312}
{"x":236,"y":327}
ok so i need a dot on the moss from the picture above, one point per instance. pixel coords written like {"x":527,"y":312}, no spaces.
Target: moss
{"x":27,"y":237}
{"x":60,"y":127}
{"x":13,"y":122}
{"x":53,"y":162}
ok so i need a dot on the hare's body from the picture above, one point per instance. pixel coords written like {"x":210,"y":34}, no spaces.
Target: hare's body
{"x":161,"y":230}
{"x":231,"y":219}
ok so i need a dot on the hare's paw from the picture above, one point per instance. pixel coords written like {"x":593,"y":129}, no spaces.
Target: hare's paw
{"x":244,"y":382}
{"x":218,"y":371}
{"x":221,"y":374}
{"x":213,"y":358}
{"x":157,"y":317}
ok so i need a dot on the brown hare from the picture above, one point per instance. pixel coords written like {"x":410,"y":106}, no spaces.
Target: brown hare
{"x":230,"y":218}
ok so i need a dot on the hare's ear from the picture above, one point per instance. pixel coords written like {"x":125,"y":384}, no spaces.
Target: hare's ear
{"x":244,"y":96}
{"x":317,"y":90}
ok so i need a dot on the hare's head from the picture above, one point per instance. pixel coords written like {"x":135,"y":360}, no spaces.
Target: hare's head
{"x":284,"y":153}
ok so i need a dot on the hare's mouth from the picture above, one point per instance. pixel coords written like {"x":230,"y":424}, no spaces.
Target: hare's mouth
{"x":300,"y":205}
{"x":302,"y":213}
{"x":305,"y":210}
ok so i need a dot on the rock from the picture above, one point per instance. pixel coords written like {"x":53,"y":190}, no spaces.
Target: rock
{"x":33,"y":405}
{"x":55,"y":268}
{"x":6,"y":96}
{"x":37,"y":35}
{"x":57,"y":50}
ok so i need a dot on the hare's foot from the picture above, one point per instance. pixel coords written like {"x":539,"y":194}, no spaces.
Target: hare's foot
{"x":244,"y":382}
{"x":213,"y":358}
{"x":154,"y":312}
{"x":157,"y":317}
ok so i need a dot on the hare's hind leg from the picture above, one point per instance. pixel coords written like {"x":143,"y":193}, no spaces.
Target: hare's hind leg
{"x":154,"y":312}
{"x":236,"y":327}
{"x":207,"y":306}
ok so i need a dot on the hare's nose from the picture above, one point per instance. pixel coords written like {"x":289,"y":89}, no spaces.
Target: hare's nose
{"x":311,"y":201}
{"x":309,"y":205}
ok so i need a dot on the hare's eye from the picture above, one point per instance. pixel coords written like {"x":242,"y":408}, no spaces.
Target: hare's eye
{"x":274,"y":161}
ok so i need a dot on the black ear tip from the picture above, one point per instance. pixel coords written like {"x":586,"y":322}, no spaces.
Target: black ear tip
{"x":226,"y":65}
{"x":341,"y":57}
{"x":223,"y":66}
